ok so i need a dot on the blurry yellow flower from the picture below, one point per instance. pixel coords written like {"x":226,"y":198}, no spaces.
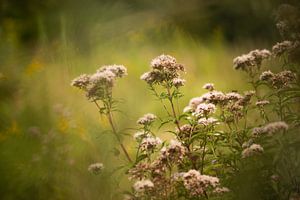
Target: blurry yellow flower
{"x":14,"y":128}
{"x":34,"y":67}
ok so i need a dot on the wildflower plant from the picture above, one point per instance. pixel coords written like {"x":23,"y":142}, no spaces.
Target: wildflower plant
{"x":98,"y":89}
{"x":218,"y":133}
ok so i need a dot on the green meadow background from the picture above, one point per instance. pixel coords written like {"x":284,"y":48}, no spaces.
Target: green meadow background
{"x":50,"y":133}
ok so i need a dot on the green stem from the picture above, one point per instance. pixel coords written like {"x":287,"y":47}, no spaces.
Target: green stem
{"x":110,"y":119}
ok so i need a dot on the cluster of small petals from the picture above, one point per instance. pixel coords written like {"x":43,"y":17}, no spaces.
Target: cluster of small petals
{"x":152,"y":77}
{"x":143,"y":186}
{"x":254,"y":149}
{"x":164,"y":68}
{"x":99,"y":85}
{"x":166,"y":63}
{"x":150,"y":143}
{"x":262,"y":103}
{"x":174,"y":152}
{"x":208,"y":121}
{"x":283,"y":79}
{"x":233,"y":96}
{"x":274,"y":127}
{"x":118,"y":70}
{"x":266,"y":75}
{"x":282,"y":47}
{"x":138,"y":171}
{"x":147,"y":119}
{"x":270,"y":129}
{"x":197,"y":184}
{"x":104,"y":77}
{"x":188,"y":109}
{"x":139,"y":135}
{"x":258,"y":131}
{"x":178,"y":82}
{"x":253,"y":58}
{"x":214,"y":97}
{"x":81,"y":81}
{"x":205,"y":109}
{"x":280,"y":80}
{"x":246,"y":99}
{"x":95,"y":168}
{"x":208,"y":86}
{"x":221,"y":190}
{"x":194,"y":102}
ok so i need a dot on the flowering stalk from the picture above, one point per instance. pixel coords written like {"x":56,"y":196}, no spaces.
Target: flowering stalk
{"x":98,"y":87}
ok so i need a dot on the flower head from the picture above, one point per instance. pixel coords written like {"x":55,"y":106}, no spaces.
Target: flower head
{"x":178,"y":82}
{"x":95,"y":168}
{"x":98,"y":86}
{"x":262,"y":103}
{"x":117,"y":70}
{"x":197,"y":184}
{"x":204,"y":109}
{"x":254,"y":149}
{"x":143,"y":186}
{"x":164,"y":68}
{"x":150,"y":143}
{"x":208,"y":121}
{"x":282,"y":47}
{"x":147,"y":119}
{"x":81,"y":81}
{"x":174,"y":152}
{"x":253,"y":58}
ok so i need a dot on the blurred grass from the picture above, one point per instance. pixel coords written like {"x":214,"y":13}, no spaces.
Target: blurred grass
{"x":50,"y":133}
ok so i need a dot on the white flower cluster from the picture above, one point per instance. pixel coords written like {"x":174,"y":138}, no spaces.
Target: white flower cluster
{"x":139,"y":171}
{"x":95,"y":168}
{"x":143,"y":186}
{"x":164,"y":68}
{"x":149,"y":143}
{"x":254,"y":149}
{"x":98,"y":86}
{"x":147,"y":119}
{"x":139,"y":135}
{"x":282,"y":79}
{"x":197,"y":184}
{"x":262,"y":103}
{"x":208,"y":121}
{"x":214,"y":97}
{"x":281,"y":47}
{"x":270,"y":129}
{"x":253,"y":58}
{"x":174,"y":152}
{"x":205,"y":109}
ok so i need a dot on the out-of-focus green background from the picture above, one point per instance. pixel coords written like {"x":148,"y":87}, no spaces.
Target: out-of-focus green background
{"x":50,"y":133}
